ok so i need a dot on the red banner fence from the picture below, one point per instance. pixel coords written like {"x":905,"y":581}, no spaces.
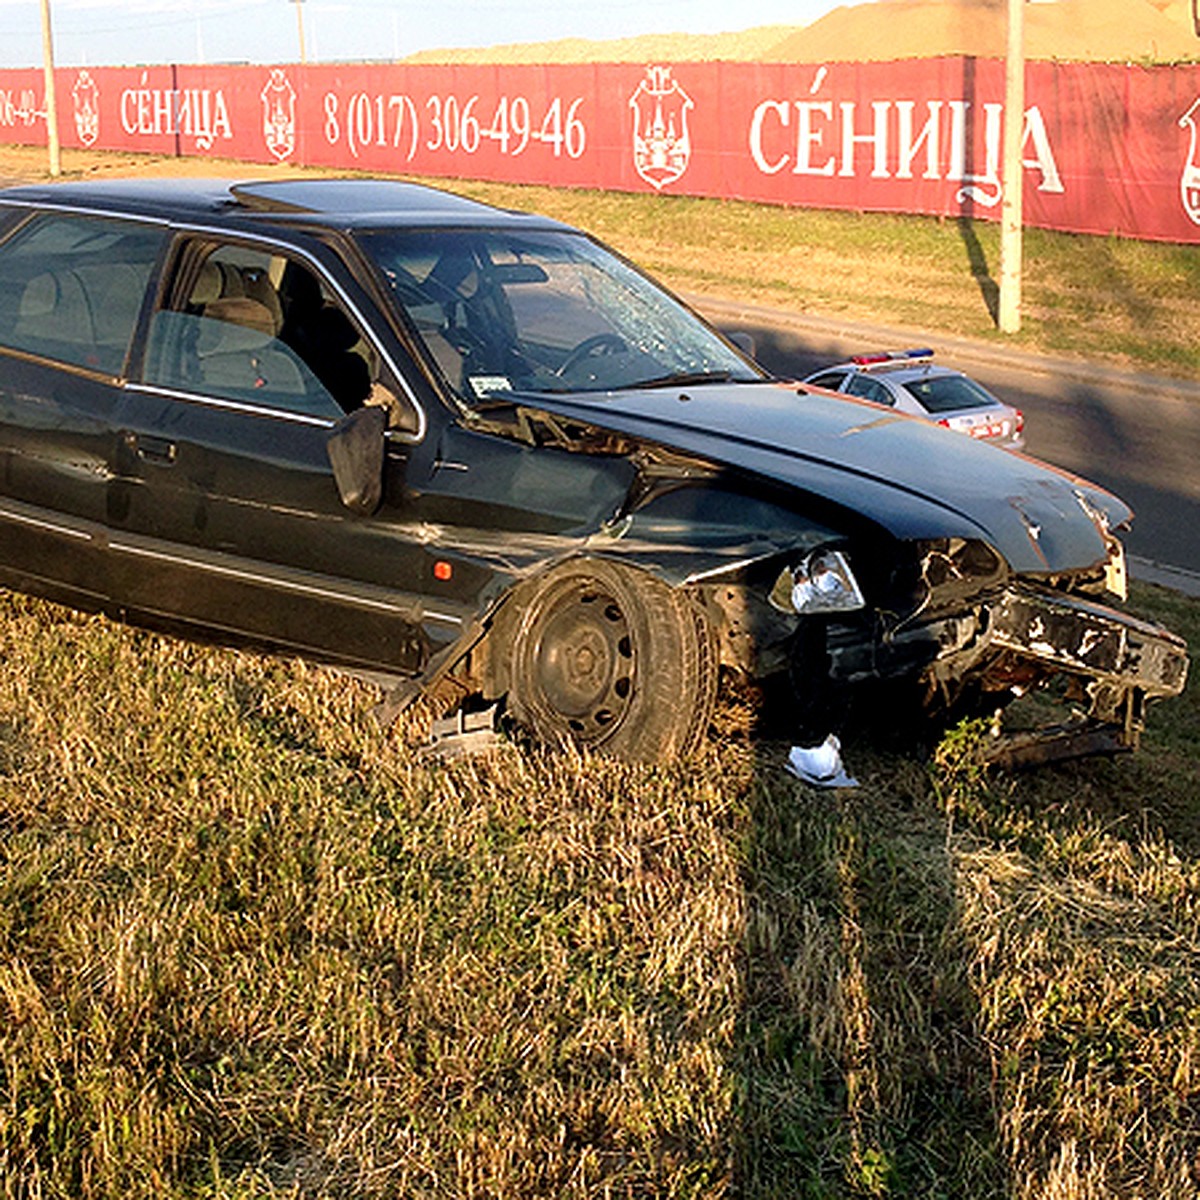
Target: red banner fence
{"x":1108,"y":149}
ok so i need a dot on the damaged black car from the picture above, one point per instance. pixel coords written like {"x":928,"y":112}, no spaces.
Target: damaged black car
{"x":448,"y":446}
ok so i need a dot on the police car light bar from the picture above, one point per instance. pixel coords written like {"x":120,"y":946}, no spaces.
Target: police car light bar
{"x":866,"y":360}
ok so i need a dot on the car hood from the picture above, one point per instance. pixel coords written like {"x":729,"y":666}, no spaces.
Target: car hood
{"x":910,"y":476}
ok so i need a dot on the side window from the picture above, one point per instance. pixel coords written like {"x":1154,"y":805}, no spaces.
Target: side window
{"x":260,"y":327}
{"x":71,"y":288}
{"x":869,"y":389}
{"x":831,"y":380}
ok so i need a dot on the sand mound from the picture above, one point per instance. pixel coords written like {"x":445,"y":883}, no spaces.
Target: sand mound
{"x":751,"y":45}
{"x":1066,"y":30}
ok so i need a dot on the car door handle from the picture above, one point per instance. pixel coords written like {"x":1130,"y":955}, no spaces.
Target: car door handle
{"x":155,"y":449}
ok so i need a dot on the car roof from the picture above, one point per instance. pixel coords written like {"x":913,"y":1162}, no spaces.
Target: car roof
{"x":902,"y":371}
{"x":898,"y":370}
{"x":337,"y":203}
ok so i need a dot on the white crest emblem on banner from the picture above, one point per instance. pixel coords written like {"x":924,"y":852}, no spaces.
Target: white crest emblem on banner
{"x":87,"y":108}
{"x":662,"y":145}
{"x":279,"y":114}
{"x":1189,"y":180}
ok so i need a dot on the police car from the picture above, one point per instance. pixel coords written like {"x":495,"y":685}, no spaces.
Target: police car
{"x":910,"y":381}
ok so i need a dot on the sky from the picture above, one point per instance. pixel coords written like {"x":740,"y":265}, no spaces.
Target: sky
{"x":103,"y":32}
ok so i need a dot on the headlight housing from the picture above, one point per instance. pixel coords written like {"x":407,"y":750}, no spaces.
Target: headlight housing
{"x":821,"y":583}
{"x":1116,"y":572}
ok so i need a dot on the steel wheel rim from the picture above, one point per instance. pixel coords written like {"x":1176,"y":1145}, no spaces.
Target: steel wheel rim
{"x":584,"y":661}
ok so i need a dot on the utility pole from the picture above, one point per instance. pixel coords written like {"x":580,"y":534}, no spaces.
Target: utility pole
{"x":300,"y":29}
{"x":1011,"y":215}
{"x":51,"y":101}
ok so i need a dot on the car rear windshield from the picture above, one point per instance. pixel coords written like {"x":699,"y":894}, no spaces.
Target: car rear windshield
{"x":543,"y":310}
{"x":949,"y":393}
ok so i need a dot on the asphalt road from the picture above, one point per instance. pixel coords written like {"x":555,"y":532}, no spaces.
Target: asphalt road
{"x":1137,"y":435}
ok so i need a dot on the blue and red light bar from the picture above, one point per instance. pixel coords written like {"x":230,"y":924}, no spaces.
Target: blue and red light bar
{"x":866,"y":360}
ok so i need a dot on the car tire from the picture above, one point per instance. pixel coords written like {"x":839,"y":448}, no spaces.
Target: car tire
{"x":613,"y":659}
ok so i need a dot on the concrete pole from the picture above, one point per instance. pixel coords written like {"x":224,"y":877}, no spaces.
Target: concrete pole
{"x":300,"y":29}
{"x":51,"y":99}
{"x":1011,"y":215}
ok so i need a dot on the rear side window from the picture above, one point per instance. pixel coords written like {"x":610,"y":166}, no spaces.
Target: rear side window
{"x":869,"y":389}
{"x":71,"y":288}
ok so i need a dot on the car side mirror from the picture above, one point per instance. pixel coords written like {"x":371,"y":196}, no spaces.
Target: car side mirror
{"x":356,"y":450}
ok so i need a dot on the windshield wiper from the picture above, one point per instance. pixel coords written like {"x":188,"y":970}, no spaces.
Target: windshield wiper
{"x":680,"y":379}
{"x":675,"y":379}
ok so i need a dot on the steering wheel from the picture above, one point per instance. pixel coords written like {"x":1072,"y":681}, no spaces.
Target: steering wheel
{"x":591,"y":347}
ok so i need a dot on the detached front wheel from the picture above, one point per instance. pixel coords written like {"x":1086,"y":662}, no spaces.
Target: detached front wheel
{"x":613,"y":659}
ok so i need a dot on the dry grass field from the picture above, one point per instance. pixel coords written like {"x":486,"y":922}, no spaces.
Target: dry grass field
{"x":252,"y":946}
{"x":1063,"y":30}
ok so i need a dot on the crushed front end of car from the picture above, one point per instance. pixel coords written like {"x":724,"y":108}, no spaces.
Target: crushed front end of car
{"x":847,"y":551}
{"x":974,"y":637}
{"x":961,"y":632}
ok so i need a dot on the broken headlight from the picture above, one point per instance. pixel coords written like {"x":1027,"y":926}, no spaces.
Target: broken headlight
{"x":822,"y":583}
{"x":1116,"y":572}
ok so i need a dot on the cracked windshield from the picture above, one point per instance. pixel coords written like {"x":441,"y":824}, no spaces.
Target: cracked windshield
{"x":545,"y":312}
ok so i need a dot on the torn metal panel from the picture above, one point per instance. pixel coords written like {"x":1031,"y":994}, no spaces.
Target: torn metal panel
{"x":899,"y":475}
{"x":1059,"y":743}
{"x":1089,"y":639}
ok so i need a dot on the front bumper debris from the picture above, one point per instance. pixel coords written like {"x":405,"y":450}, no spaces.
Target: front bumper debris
{"x":1081,"y":637}
{"x":1116,"y":662}
{"x":1054,"y":743}
{"x":461,"y":734}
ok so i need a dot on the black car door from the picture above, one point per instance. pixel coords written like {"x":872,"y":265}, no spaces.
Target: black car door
{"x":225,"y":514}
{"x":72,"y":287}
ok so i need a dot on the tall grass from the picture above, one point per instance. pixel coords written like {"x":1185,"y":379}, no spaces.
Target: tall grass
{"x":251,"y":946}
